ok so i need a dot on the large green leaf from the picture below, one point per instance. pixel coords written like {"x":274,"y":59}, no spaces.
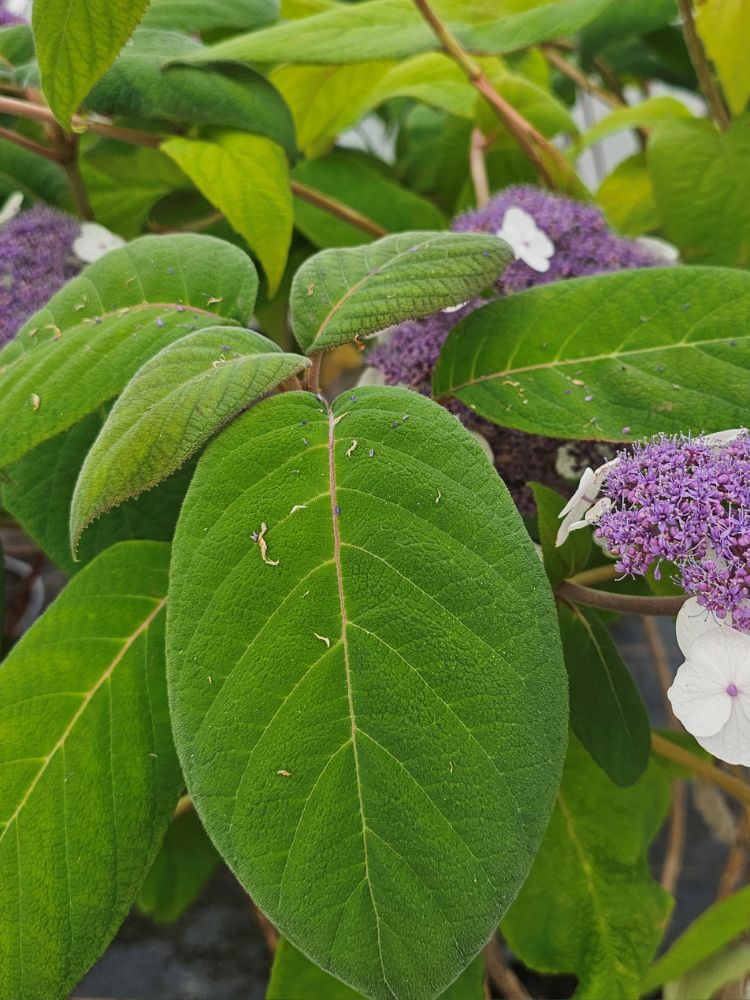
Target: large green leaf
{"x":173,"y":404}
{"x":89,"y":776}
{"x":703,"y":206}
{"x":611,"y":357}
{"x":293,"y":975}
{"x":606,"y":711}
{"x":40,"y":488}
{"x":182,"y":867}
{"x":712,"y":930}
{"x":392,"y":29}
{"x":197,"y":15}
{"x":142,"y":84}
{"x":76,"y":42}
{"x":247,"y":178}
{"x":575,"y":912}
{"x":371,"y":710}
{"x":340,"y":294}
{"x":83,"y":347}
{"x":349,"y":179}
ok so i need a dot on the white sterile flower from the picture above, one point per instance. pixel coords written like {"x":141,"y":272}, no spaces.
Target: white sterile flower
{"x":11,"y":207}
{"x":94,"y":241}
{"x":371,"y":376}
{"x":527,"y":241}
{"x":666,"y":253}
{"x":720,"y":438}
{"x":582,"y":510}
{"x":710,"y":694}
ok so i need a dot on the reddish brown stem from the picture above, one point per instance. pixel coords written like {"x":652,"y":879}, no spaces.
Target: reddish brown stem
{"x":625,"y":603}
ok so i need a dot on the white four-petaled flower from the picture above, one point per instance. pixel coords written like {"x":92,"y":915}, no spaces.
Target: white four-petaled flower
{"x":11,"y":207}
{"x":710,"y":694}
{"x":527,"y":241}
{"x":94,"y":241}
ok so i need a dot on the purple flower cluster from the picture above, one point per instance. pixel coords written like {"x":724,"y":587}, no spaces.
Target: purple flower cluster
{"x":583,"y":245}
{"x":687,"y":501}
{"x":36,"y":259}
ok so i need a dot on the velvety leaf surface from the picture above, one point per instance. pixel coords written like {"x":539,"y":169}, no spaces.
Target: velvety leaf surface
{"x":185,"y":862}
{"x":339,"y":294}
{"x":76,"y":42}
{"x":83,"y":347}
{"x":40,"y":488}
{"x":89,"y":776}
{"x":197,"y":15}
{"x":247,"y":178}
{"x":612,"y":357}
{"x":392,"y":29}
{"x":703,"y":206}
{"x":150,"y":80}
{"x":363,"y":188}
{"x":716,"y":927}
{"x":371,"y":710}
{"x":606,"y":710}
{"x":565,"y":560}
{"x":293,"y":975}
{"x":575,"y":912}
{"x":171,"y":407}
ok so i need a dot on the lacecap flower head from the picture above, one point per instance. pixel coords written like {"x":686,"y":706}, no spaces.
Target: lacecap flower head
{"x":687,"y":501}
{"x":552,"y":238}
{"x":679,"y":499}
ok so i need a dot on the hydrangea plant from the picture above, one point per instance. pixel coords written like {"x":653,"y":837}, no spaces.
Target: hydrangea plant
{"x":335,"y":612}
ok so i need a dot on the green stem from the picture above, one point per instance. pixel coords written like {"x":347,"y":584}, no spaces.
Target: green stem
{"x":700,"y":767}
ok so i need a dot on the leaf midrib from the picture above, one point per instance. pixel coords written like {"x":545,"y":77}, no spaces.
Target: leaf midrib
{"x":589,"y":881}
{"x":347,"y":672}
{"x":610,"y":356}
{"x":105,"y":676}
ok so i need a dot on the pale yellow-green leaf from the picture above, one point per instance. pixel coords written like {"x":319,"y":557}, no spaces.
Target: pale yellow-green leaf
{"x":644,"y":115}
{"x":247,"y":178}
{"x":724,"y":27}
{"x":626,"y":197}
{"x":326,"y":100}
{"x":76,"y":43}
{"x":432,"y":78}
